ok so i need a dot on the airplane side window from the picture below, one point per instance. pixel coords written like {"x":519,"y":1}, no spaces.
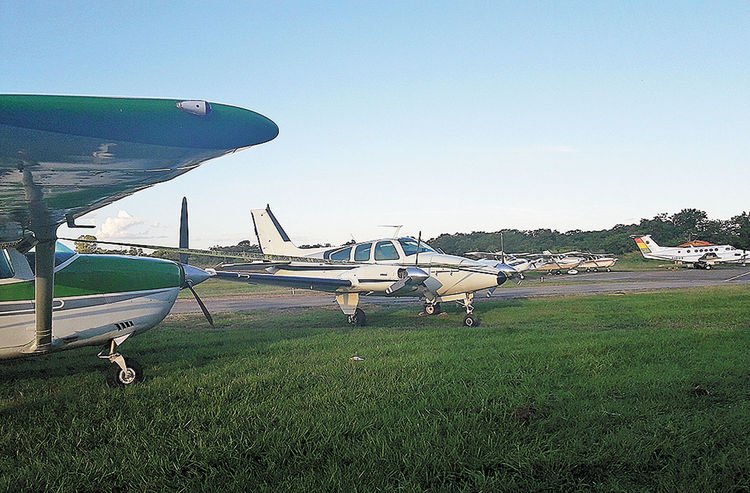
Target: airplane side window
{"x":6,"y":271}
{"x":384,"y":250}
{"x":342,"y":254}
{"x":362,"y":252}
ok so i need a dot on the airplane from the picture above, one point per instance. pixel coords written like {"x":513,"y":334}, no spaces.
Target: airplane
{"x":556,"y":263}
{"x":391,"y":267}
{"x":593,"y":262}
{"x":64,"y":156}
{"x":514,"y":260}
{"x":697,"y":254}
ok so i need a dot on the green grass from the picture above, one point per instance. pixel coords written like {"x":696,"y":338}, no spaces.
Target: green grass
{"x":571,"y":394}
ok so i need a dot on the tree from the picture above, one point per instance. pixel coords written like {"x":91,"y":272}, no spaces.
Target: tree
{"x":85,"y":246}
{"x":739,"y":226}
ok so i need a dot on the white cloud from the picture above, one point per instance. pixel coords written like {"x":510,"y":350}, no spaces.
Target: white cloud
{"x":116,"y":227}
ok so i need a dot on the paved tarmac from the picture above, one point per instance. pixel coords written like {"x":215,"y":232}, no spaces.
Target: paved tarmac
{"x":563,"y":285}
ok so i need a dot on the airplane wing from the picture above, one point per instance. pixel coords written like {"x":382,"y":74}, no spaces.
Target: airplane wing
{"x":302,"y":282}
{"x":64,"y":156}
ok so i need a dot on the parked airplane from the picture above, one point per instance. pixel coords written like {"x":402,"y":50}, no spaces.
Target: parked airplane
{"x":556,"y":263}
{"x":386,"y":267}
{"x":700,"y":255}
{"x":594,"y":262}
{"x":516,"y":261}
{"x":64,"y":156}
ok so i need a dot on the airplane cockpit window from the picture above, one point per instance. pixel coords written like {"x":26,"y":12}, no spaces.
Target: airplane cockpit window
{"x":385,"y":250}
{"x":6,"y":271}
{"x":62,"y":254}
{"x":362,"y":252}
{"x":342,"y":254}
{"x":410,"y":246}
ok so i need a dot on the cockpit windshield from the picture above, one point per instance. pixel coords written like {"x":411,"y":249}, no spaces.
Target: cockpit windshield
{"x":411,"y":247}
{"x":62,"y":255}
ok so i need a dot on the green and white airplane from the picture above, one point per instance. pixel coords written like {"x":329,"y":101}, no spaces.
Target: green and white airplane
{"x":64,"y":156}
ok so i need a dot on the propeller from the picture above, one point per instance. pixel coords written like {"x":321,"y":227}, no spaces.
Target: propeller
{"x":184,"y":231}
{"x":193,"y":275}
{"x":206,"y":313}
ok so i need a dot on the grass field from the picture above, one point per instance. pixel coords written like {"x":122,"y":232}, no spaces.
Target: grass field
{"x":647,"y":392}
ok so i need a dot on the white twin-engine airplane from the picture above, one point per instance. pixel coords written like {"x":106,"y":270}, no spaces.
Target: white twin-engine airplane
{"x":701,"y":255}
{"x":386,"y":267}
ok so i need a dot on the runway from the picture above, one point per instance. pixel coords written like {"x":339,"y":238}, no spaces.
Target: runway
{"x":563,"y":285}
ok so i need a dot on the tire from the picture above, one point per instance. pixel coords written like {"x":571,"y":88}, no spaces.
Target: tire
{"x":358,"y":318}
{"x":471,"y":320}
{"x":119,"y":378}
{"x":432,"y":308}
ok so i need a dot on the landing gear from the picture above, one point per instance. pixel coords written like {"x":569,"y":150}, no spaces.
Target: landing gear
{"x":432,"y":308}
{"x":470,"y":320}
{"x":124,"y":371}
{"x":358,"y":318}
{"x":119,"y":377}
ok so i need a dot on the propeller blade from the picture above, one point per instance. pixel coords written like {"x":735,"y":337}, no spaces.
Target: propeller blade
{"x":201,"y":305}
{"x":184,"y":233}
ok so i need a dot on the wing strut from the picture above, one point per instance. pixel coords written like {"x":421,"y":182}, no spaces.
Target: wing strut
{"x":44,"y":291}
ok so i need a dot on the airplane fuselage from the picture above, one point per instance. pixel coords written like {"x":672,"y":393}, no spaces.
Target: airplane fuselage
{"x":702,"y":255}
{"x":448,"y":277}
{"x":97,"y":298}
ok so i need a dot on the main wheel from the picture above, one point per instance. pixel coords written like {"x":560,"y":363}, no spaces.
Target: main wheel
{"x":471,"y":320}
{"x":133,"y":373}
{"x":358,"y":318}
{"x":432,"y":308}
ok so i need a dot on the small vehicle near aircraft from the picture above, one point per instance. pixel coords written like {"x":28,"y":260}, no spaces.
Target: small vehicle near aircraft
{"x":64,"y":156}
{"x":391,"y":267}
{"x":696,"y":254}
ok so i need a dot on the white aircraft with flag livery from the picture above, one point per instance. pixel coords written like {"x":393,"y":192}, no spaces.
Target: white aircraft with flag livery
{"x":697,"y":254}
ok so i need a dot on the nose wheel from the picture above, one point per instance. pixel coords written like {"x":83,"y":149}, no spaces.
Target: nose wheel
{"x":470,"y":320}
{"x":124,"y":371}
{"x":119,"y":377}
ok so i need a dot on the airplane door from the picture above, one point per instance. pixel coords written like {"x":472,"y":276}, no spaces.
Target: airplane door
{"x":16,"y":312}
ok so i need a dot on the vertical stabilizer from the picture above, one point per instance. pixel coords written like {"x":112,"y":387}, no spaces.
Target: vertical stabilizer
{"x":272,"y":238}
{"x":646,"y":245}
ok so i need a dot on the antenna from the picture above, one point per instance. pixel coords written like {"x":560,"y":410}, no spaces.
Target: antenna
{"x":502,"y":248}
{"x":419,"y":246}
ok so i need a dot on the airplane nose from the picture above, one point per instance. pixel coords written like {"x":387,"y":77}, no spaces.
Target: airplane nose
{"x":194,"y":275}
{"x":506,"y":272}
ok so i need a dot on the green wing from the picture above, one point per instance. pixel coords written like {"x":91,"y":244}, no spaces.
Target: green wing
{"x":64,"y":156}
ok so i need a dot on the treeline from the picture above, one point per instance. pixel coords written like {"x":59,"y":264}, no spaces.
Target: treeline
{"x":667,"y":230}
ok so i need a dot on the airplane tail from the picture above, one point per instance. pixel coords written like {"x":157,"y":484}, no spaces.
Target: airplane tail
{"x":272,"y":238}
{"x":646,"y":244}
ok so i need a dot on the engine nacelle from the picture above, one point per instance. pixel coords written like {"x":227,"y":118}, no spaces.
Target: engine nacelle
{"x":414,"y":274}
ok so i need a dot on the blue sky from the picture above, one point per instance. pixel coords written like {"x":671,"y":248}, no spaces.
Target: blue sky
{"x":442,"y":116}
